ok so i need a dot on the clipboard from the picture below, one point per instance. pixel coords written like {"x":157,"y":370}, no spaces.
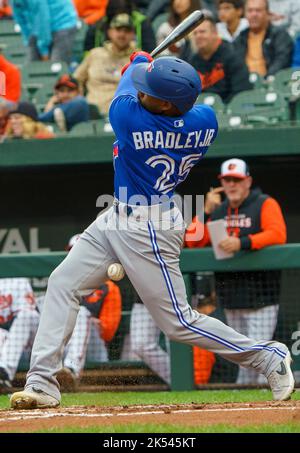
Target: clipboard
{"x":218,"y":232}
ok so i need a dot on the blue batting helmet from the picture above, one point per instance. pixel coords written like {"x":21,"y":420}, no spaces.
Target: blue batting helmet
{"x":170,"y":79}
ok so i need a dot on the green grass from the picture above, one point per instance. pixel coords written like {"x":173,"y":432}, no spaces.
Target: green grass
{"x":167,"y":428}
{"x":139,"y":398}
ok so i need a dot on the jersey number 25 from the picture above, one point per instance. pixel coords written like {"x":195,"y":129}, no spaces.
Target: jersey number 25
{"x":164,"y":183}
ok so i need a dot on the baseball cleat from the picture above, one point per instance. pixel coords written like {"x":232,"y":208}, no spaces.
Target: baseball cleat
{"x":282,"y":380}
{"x":32,"y":398}
{"x":67,"y":380}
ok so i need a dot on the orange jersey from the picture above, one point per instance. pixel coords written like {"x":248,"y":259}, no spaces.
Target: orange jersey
{"x":12,"y":80}
{"x":91,"y":10}
{"x":203,"y":364}
{"x":106,"y":304}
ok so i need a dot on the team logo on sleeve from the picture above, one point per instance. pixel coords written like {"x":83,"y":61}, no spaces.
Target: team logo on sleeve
{"x":179,"y":123}
{"x":115,"y":150}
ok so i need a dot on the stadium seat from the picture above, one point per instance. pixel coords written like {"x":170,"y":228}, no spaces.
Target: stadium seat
{"x":78,"y":47}
{"x":256,"y":80}
{"x":10,"y":41}
{"x":283,"y":81}
{"x":267,"y":107}
{"x":227,"y":121}
{"x":16,"y":55}
{"x":86,"y":129}
{"x":42,"y":96}
{"x":9,"y":28}
{"x":42,"y":70}
{"x":211,"y":99}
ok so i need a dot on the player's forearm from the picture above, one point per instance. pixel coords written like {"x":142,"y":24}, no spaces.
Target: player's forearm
{"x":126,"y":86}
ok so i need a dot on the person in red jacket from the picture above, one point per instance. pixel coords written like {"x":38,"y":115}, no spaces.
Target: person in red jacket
{"x":254,"y":220}
{"x":10,"y":80}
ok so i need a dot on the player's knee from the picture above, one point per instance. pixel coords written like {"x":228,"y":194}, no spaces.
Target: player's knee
{"x":58,"y":279}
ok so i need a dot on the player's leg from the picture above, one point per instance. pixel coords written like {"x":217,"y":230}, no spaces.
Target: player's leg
{"x":83,"y":270}
{"x":144,"y":337}
{"x":151,"y":260}
{"x":77,"y":346}
{"x":258,"y":323}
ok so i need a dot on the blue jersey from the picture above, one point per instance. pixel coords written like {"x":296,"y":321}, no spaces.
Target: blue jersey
{"x":154,"y":153}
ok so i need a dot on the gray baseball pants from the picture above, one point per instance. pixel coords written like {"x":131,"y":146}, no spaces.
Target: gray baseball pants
{"x":149,"y":252}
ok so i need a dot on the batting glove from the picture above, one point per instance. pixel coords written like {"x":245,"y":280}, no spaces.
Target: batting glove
{"x":133,"y":56}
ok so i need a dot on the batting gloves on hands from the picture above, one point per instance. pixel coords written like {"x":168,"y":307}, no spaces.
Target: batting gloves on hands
{"x":133,"y":56}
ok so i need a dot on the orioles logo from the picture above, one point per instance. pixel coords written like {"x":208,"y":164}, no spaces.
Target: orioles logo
{"x":231,"y":166}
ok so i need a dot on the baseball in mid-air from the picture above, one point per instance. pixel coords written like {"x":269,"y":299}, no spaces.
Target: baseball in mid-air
{"x":115,"y":272}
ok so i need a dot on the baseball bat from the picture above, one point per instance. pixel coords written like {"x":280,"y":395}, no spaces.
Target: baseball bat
{"x":185,"y":27}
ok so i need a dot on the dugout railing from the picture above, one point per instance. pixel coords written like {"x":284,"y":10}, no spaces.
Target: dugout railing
{"x":285,"y":258}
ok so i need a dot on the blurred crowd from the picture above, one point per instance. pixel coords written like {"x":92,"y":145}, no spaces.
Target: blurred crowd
{"x":238,"y":38}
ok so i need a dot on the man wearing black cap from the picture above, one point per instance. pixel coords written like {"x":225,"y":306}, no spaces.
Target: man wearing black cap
{"x":100,"y":71}
{"x":67,"y":107}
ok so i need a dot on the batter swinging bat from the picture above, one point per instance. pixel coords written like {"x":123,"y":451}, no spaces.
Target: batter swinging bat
{"x":185,"y":27}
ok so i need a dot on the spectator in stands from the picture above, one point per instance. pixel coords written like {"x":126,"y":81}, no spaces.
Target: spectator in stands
{"x":254,"y":221}
{"x":23,"y":123}
{"x":18,"y":325}
{"x":91,"y":11}
{"x":179,"y":10}
{"x":100,"y":71}
{"x":67,"y":107}
{"x":10,"y":80}
{"x":48,"y":28}
{"x":231,"y":19}
{"x":265,"y":48}
{"x":220,"y":69}
{"x":286,"y":13}
{"x":97,"y":323}
{"x":5,"y":10}
{"x":144,"y":35}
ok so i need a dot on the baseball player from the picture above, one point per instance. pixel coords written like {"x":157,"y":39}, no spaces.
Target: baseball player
{"x":161,"y":135}
{"x":18,"y":325}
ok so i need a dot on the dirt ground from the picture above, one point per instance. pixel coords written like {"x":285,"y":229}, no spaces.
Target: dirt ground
{"x":235,"y":414}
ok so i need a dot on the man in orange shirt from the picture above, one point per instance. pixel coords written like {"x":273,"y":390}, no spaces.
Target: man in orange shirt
{"x":254,"y":221}
{"x":11,"y":80}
